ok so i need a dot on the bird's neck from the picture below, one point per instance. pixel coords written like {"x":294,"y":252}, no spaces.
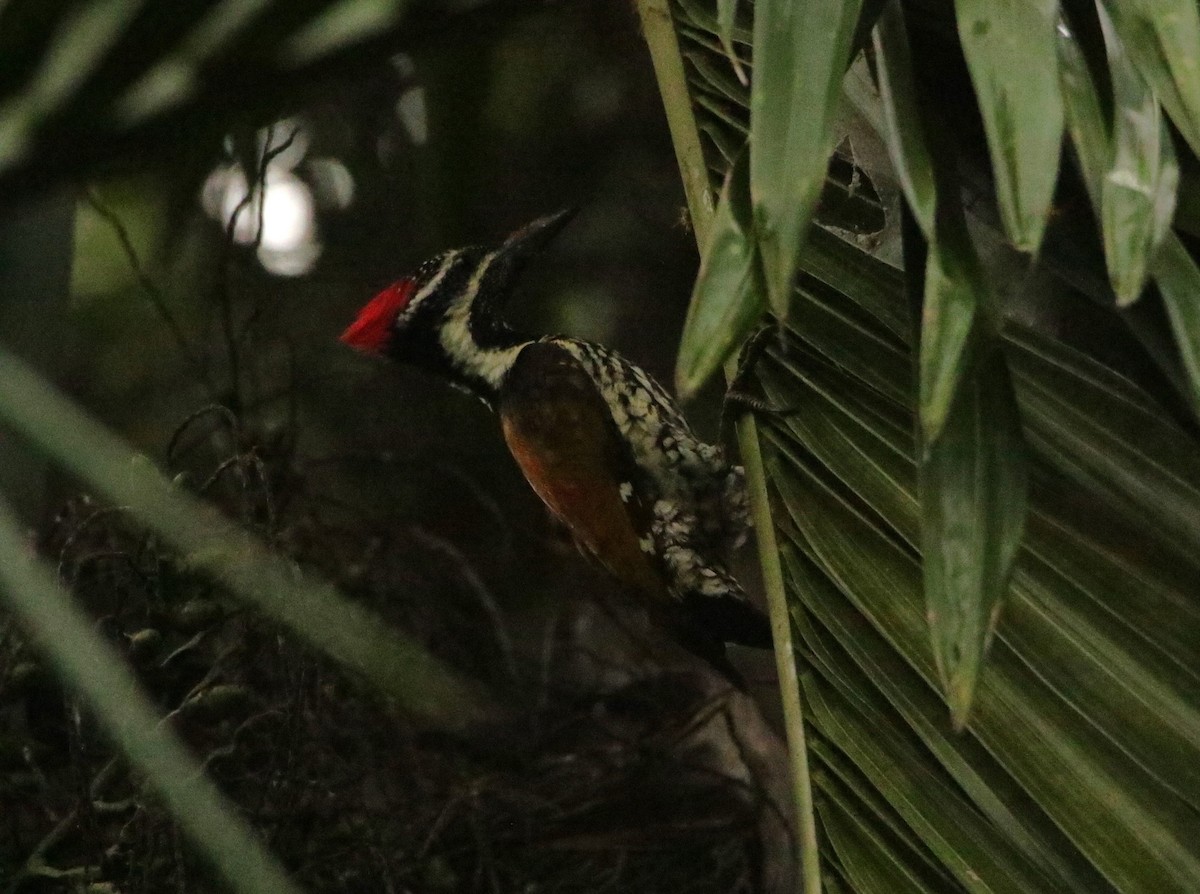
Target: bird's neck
{"x":481,"y":350}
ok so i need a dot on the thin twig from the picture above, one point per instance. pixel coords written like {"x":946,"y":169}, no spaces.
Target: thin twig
{"x":214,"y":409}
{"x":257,"y":189}
{"x":149,"y":288}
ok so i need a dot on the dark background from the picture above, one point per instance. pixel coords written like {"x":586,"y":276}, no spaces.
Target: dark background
{"x":527,"y":109}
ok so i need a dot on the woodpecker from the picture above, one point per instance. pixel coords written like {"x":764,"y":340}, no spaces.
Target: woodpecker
{"x":600,"y":442}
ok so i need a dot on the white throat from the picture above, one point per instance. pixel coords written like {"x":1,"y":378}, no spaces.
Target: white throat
{"x":487,"y":364}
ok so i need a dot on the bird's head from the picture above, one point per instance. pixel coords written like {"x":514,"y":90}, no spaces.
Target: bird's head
{"x":448,"y":309}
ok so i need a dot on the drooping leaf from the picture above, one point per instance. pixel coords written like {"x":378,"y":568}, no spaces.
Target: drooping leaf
{"x":973,"y":502}
{"x":728,"y":298}
{"x":800,"y":54}
{"x":1138,"y":193}
{"x":89,"y":666}
{"x":905,"y":140}
{"x":1009,"y":47}
{"x":973,"y":476}
{"x":1088,"y":697}
{"x":1161,"y":37}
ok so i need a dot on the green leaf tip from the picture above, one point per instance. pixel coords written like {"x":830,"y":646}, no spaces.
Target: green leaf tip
{"x":1009,"y":46}
{"x":728,"y":298}
{"x":800,"y":55}
{"x":974,"y":492}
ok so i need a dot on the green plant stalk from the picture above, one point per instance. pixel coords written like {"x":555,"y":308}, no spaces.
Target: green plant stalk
{"x":87,"y":664}
{"x":658,"y":28}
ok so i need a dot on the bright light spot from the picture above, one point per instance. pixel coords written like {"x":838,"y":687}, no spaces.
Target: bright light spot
{"x":279,"y":134}
{"x":279,"y":214}
{"x":288,"y":216}
{"x":294,"y":262}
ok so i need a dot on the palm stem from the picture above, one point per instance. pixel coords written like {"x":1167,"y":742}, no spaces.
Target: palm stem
{"x":659,"y":31}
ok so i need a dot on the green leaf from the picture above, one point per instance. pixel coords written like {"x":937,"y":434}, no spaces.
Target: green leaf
{"x":1141,"y":700}
{"x":838,"y":780}
{"x":867,"y":857}
{"x":973,"y":502}
{"x":1073,"y":599}
{"x":905,"y":140}
{"x":208,"y":542}
{"x":1178,"y":280}
{"x":1162,"y":36}
{"x":1138,"y":193}
{"x":874,"y":357}
{"x":954,"y":325}
{"x":715,"y":77}
{"x":1124,"y":821}
{"x":800,"y":55}
{"x":1106,"y":435}
{"x":857,"y":661}
{"x":929,"y":801}
{"x":875,"y":285}
{"x":88,"y":665}
{"x":1009,"y":47}
{"x":728,"y":297}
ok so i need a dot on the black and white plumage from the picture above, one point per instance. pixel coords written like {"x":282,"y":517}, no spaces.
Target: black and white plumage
{"x":602,"y":443}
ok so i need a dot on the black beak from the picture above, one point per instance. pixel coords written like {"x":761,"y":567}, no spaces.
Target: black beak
{"x":515,"y":253}
{"x":532,"y":238}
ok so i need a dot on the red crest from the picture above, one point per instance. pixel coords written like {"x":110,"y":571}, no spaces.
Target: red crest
{"x":372,"y":328}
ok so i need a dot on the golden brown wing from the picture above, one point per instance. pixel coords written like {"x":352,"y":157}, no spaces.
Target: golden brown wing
{"x":562,"y":436}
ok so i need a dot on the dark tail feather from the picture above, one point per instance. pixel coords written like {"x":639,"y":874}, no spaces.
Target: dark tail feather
{"x":704,"y":624}
{"x":730,"y":620}
{"x":710,"y":649}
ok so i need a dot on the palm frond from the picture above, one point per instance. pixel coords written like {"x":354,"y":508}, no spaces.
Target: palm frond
{"x":1073,"y":771}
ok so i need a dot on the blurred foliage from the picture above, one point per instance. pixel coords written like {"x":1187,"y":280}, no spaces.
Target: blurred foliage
{"x":173,"y":326}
